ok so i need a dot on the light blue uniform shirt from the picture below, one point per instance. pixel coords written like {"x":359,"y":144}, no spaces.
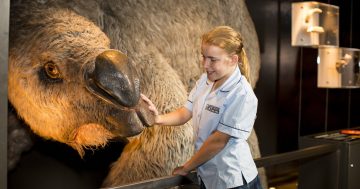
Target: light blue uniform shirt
{"x":230,"y":109}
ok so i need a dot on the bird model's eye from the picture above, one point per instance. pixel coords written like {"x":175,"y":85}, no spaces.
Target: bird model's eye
{"x":52,"y":70}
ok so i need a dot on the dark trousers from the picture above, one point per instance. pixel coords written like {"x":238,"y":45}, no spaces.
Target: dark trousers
{"x":254,"y":184}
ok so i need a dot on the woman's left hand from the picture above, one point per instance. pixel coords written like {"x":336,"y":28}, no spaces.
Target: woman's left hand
{"x":180,"y":171}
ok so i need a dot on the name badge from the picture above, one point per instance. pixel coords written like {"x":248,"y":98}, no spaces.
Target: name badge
{"x":212,"y":109}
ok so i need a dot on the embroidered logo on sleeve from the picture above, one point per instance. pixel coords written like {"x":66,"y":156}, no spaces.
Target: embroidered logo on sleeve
{"x":212,"y":109}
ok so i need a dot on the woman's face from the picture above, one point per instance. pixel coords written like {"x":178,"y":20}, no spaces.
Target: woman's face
{"x":218,"y":64}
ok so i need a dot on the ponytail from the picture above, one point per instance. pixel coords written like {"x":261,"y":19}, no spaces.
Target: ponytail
{"x":244,"y":65}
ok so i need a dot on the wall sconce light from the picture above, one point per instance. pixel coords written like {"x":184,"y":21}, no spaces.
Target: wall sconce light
{"x":338,"y":67}
{"x":314,"y":24}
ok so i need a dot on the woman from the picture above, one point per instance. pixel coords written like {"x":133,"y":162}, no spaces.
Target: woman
{"x":223,"y":109}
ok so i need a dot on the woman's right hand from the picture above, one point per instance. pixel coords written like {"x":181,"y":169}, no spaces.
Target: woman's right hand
{"x":152,"y":107}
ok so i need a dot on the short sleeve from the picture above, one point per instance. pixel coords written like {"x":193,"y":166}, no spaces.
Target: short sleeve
{"x":239,"y":115}
{"x":189,"y":103}
{"x":191,"y":98}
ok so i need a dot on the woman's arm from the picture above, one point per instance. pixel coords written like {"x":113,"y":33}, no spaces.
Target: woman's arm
{"x":177,"y":117}
{"x":212,"y":146}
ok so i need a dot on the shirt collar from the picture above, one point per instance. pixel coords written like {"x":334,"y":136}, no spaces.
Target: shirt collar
{"x":232,"y":81}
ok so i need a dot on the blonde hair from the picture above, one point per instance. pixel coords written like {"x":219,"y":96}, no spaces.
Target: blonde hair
{"x":231,"y":41}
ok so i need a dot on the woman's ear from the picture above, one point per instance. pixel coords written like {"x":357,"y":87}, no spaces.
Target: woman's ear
{"x":234,"y":59}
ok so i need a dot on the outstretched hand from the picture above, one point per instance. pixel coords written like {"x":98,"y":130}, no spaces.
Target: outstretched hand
{"x":152,"y":107}
{"x":175,"y":118}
